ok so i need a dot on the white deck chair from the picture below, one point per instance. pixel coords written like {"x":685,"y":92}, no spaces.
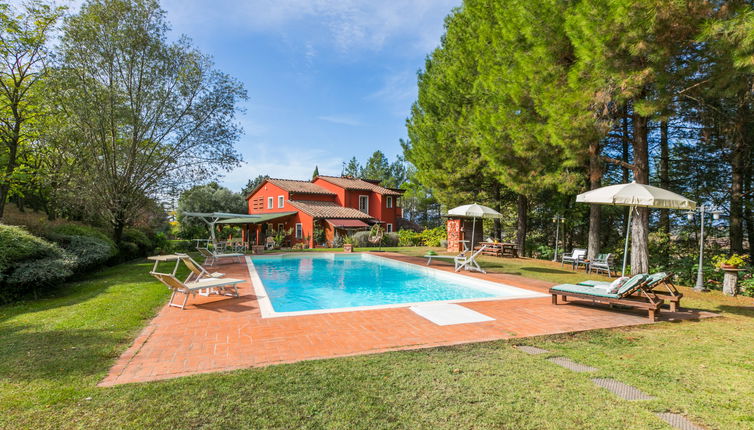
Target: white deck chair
{"x":221,"y":285}
{"x":210,"y":258}
{"x":197,"y":272}
{"x":469,"y":263}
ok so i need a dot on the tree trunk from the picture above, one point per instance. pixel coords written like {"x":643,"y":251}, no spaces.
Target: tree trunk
{"x":9,"y":168}
{"x":640,"y":225}
{"x":522,"y":207}
{"x":749,"y":212}
{"x":595,"y":176}
{"x":738,"y":167}
{"x":664,"y":173}
{"x":497,"y":225}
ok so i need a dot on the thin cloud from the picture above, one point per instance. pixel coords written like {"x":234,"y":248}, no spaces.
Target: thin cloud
{"x":341,"y":119}
{"x":346,"y":24}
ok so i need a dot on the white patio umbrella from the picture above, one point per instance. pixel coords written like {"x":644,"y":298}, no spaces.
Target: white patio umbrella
{"x":635,"y":195}
{"x":474,"y":211}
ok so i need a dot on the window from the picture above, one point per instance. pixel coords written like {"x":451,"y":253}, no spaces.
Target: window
{"x":269,"y":202}
{"x":299,"y":231}
{"x":280,"y":226}
{"x":364,"y":204}
{"x":389,"y":202}
{"x":390,"y":228}
{"x":281,"y":201}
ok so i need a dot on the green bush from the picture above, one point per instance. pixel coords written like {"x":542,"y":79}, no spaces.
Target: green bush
{"x":361,"y":239}
{"x":135,"y":243}
{"x":390,"y":239}
{"x":409,"y":238}
{"x":433,"y":236}
{"x":89,"y":252}
{"x":28,"y":263}
{"x":86,"y":231}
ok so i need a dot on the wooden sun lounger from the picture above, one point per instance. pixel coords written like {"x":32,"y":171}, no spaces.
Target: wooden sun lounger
{"x":633,"y":293}
{"x":661,"y":284}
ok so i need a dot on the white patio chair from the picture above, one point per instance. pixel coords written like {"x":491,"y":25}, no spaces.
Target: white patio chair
{"x":603,"y":263}
{"x":210,"y":257}
{"x":469,"y":263}
{"x":574,"y":257}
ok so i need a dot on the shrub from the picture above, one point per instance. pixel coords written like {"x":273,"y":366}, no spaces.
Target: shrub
{"x":89,"y":252}
{"x":390,"y":239}
{"x":433,"y":236}
{"x":409,"y":238}
{"x":361,"y":239}
{"x":28,"y":262}
{"x":83,"y":230}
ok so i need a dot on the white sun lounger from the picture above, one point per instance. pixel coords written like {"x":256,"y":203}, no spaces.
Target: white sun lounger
{"x":469,"y":263}
{"x":225,"y":286}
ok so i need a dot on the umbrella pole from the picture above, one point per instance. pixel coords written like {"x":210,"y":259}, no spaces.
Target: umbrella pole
{"x":473,"y":230}
{"x":625,"y":246}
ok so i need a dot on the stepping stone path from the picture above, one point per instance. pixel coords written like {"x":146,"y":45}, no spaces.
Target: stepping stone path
{"x":571,"y":365}
{"x":622,"y":390}
{"x":531,"y":349}
{"x":618,"y":388}
{"x":678,"y":421}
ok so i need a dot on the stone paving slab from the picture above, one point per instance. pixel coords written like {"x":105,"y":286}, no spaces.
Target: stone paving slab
{"x":622,"y":390}
{"x":533,"y":350}
{"x":571,"y":365}
{"x":678,"y":421}
{"x":220,"y":333}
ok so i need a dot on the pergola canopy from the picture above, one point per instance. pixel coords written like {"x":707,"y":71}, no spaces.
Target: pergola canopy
{"x":259,"y":219}
{"x":212,"y":218}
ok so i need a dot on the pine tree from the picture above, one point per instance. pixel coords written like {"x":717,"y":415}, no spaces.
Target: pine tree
{"x":316,"y":172}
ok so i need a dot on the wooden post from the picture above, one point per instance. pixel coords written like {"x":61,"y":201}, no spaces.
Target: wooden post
{"x":730,"y":282}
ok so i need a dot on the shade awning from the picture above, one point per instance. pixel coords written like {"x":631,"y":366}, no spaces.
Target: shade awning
{"x":347,"y":223}
{"x":258,"y":219}
{"x":639,"y":195}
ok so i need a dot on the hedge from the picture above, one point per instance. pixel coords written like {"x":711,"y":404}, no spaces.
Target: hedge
{"x":29,"y":263}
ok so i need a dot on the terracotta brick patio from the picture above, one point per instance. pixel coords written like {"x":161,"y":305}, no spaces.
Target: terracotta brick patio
{"x":221,"y":333}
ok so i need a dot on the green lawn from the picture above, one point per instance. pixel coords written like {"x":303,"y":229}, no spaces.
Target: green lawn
{"x":55,"y":350}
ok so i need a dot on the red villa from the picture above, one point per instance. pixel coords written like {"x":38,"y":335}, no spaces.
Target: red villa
{"x":336,"y":204}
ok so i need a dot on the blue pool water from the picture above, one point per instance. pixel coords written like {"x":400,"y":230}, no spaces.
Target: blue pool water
{"x":314,"y":282}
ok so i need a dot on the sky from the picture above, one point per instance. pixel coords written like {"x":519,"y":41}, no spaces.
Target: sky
{"x":327,"y":80}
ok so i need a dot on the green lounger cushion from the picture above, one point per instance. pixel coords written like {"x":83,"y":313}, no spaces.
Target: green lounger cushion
{"x":594,"y":283}
{"x":581,"y":289}
{"x":631,"y":283}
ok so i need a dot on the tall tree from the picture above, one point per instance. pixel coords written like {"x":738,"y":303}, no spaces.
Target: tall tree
{"x":441,"y":141}
{"x":727,"y":99}
{"x":25,"y":33}
{"x":153,"y":115}
{"x":352,"y":168}
{"x":316,"y":172}
{"x":252,"y":184}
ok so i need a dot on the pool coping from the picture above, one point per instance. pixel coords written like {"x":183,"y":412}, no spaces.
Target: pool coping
{"x":267,"y":311}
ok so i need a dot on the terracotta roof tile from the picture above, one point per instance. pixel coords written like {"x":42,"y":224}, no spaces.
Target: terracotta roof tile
{"x":328,"y":210}
{"x":295,"y":186}
{"x":359,"y":184}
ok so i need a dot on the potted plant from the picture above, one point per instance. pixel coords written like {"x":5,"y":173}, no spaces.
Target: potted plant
{"x":735,"y":261}
{"x":348,"y":244}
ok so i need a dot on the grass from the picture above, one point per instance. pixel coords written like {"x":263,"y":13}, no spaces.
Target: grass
{"x":55,"y":351}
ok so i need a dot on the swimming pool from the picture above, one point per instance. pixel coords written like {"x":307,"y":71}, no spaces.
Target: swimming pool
{"x":317,"y":283}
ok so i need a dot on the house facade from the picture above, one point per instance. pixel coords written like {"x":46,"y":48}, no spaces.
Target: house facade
{"x":336,"y":205}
